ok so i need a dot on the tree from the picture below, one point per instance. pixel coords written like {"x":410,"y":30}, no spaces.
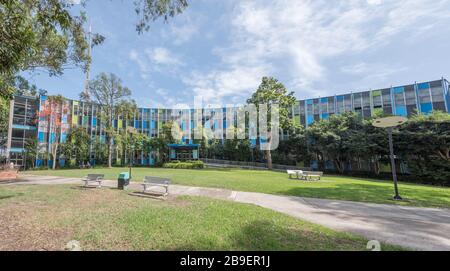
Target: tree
{"x":236,"y":149}
{"x":43,"y":34}
{"x":109,"y":93}
{"x":160,"y":143}
{"x":126,"y":110}
{"x":52,"y":114}
{"x":23,"y":87}
{"x":39,"y":34}
{"x":424,"y":143}
{"x":31,"y":150}
{"x":77,"y":145}
{"x":151,"y":10}
{"x":4,"y":120}
{"x":271,"y":92}
{"x":375,"y":144}
{"x":293,"y":149}
{"x":339,"y":139}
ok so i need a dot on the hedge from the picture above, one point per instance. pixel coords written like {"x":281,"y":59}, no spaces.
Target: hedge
{"x":185,"y":165}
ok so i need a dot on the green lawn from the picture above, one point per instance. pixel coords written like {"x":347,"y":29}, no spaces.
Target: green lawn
{"x":331,"y":187}
{"x":47,"y":217}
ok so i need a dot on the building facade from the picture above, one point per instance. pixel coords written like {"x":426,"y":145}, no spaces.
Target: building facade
{"x":32,"y":117}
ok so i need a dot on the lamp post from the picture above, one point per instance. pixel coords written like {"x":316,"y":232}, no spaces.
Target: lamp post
{"x":390,"y":123}
{"x":131,"y":150}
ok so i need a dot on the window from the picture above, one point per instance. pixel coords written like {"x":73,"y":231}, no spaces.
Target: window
{"x":424,"y":96}
{"x":410,"y":95}
{"x":377,"y":99}
{"x":348,"y":103}
{"x":437,"y":93}
{"x":331,"y":108}
{"x":399,"y":97}
{"x":357,"y":102}
{"x":316,"y":106}
{"x":324,"y":105}
{"x":340,"y":105}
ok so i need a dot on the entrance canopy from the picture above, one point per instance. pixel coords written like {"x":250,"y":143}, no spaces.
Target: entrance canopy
{"x":183,"y":151}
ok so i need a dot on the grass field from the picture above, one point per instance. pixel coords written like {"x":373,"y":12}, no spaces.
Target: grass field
{"x":47,"y":217}
{"x":331,"y":187}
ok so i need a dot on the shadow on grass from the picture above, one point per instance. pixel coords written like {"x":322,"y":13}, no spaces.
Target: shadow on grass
{"x":17,"y":181}
{"x":372,"y":193}
{"x":265,"y":235}
{"x":3,"y":197}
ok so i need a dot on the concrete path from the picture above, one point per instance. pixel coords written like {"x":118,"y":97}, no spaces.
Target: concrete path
{"x":410,"y":227}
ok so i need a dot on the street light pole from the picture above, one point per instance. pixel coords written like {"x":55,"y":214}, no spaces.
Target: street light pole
{"x":394,"y":169}
{"x":389,"y":123}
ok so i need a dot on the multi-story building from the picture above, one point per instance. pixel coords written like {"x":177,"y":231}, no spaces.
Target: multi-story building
{"x":33,"y":117}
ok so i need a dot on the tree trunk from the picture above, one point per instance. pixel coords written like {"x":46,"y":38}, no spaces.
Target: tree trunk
{"x":54,"y":153}
{"x":110,"y":153}
{"x":269,"y":159}
{"x":339,"y":166}
{"x":377,"y":166}
{"x":110,"y":146}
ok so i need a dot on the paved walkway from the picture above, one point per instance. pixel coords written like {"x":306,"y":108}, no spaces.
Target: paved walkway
{"x":411,"y":227}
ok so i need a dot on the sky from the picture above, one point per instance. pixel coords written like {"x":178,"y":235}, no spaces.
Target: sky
{"x":220,"y":50}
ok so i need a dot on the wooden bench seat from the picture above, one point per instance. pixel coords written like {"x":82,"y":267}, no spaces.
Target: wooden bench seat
{"x":151,"y":182}
{"x":97,"y":179}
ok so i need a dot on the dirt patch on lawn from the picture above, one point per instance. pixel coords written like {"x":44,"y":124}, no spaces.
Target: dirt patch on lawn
{"x":56,"y":215}
{"x":22,"y":231}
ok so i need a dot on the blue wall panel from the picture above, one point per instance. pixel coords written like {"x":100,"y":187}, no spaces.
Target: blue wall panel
{"x":423,"y":86}
{"x":426,"y":108}
{"x":399,"y":90}
{"x":400,"y":110}
{"x":41,"y":137}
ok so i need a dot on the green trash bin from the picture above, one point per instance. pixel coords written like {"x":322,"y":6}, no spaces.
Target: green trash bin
{"x":123,"y":181}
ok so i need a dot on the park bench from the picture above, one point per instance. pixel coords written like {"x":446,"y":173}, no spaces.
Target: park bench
{"x":305,"y":175}
{"x":310,"y":175}
{"x":97,"y":179}
{"x":150,"y":182}
{"x":294,"y":173}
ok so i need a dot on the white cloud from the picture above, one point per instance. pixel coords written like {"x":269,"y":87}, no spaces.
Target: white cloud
{"x":162,"y":56}
{"x":183,"y":33}
{"x":234,"y":82}
{"x":295,"y":39}
{"x":143,"y":65}
{"x":156,"y":59}
{"x":372,"y":71}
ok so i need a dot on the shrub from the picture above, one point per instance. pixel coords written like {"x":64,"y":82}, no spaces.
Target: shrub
{"x":185,"y":165}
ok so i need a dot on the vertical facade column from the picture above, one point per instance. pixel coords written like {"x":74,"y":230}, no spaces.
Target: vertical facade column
{"x":352,"y":102}
{"x":394,"y":107}
{"x":416,"y":92}
{"x":142,"y":132}
{"x":431,"y":97}
{"x":335,"y":105}
{"x":10,"y":124}
{"x":446,"y":94}
{"x":91,"y":149}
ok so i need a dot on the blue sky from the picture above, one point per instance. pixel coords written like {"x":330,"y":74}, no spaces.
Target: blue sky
{"x":221,"y":49}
